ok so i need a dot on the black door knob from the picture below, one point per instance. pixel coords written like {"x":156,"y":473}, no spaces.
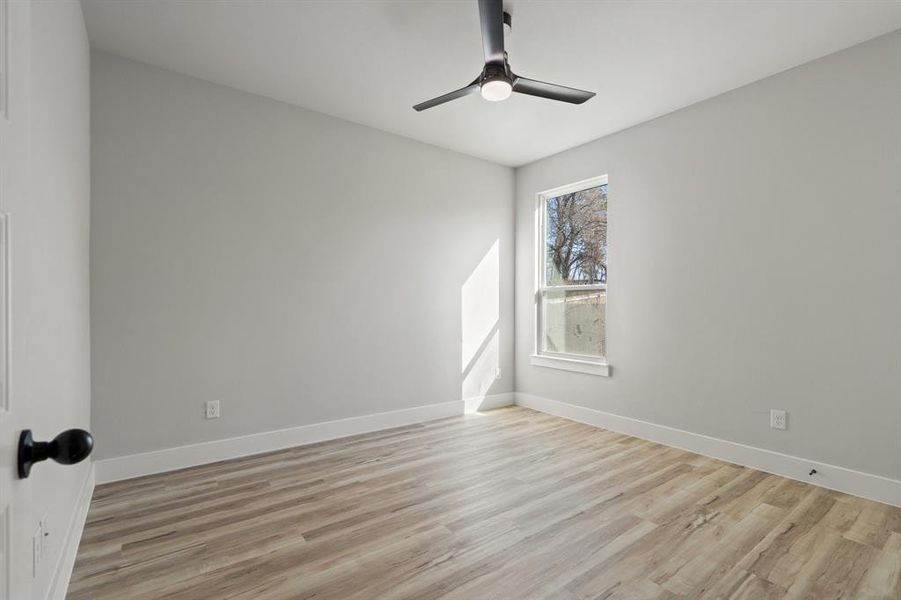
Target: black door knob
{"x":69,"y":447}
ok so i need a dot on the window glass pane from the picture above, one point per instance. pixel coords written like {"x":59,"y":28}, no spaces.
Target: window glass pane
{"x":576,"y":244}
{"x":573,"y":322}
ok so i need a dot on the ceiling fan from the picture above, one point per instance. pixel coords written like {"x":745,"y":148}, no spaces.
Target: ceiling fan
{"x":497,"y":81}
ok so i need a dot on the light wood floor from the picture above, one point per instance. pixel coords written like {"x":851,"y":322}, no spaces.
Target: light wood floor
{"x":509,"y":504}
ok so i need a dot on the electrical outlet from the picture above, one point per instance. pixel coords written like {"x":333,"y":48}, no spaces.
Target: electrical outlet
{"x":778,"y":419}
{"x":497,"y":373}
{"x":212,"y":409}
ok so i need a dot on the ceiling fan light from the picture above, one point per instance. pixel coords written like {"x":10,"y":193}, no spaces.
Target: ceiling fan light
{"x":496,"y":90}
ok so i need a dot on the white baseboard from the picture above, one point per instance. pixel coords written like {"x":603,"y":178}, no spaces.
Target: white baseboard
{"x":857,"y":483}
{"x":170,"y":459}
{"x":66,"y":561}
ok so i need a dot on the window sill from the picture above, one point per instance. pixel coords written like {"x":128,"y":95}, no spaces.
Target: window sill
{"x":571,"y":364}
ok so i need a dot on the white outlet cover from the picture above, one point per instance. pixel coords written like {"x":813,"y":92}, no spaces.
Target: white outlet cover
{"x":212,"y":409}
{"x":778,"y":419}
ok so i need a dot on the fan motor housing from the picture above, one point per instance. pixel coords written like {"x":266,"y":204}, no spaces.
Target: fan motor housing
{"x":496,"y":71}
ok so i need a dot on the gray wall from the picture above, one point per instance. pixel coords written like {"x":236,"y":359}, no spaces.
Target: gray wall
{"x":296,"y":267}
{"x":755,"y":262}
{"x":51,"y":312}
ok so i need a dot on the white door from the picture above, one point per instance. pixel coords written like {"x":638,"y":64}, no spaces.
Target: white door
{"x":15,"y":521}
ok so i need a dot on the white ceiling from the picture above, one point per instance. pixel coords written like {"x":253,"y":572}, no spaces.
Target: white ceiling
{"x":370,"y":61}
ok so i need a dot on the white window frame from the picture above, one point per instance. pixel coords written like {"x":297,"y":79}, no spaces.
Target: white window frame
{"x":593,"y":365}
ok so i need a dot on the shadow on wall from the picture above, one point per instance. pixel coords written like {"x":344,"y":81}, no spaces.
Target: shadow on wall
{"x":480,"y":323}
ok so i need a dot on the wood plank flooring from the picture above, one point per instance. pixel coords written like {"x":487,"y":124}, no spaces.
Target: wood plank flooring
{"x":507,"y":504}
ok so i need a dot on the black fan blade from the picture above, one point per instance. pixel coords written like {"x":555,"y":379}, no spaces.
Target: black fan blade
{"x":469,"y":89}
{"x":491,"y":15}
{"x":552,"y":91}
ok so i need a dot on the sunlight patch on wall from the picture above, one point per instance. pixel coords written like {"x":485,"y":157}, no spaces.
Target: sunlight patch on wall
{"x":480,"y":315}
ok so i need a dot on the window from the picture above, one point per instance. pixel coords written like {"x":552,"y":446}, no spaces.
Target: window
{"x":571,"y":299}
